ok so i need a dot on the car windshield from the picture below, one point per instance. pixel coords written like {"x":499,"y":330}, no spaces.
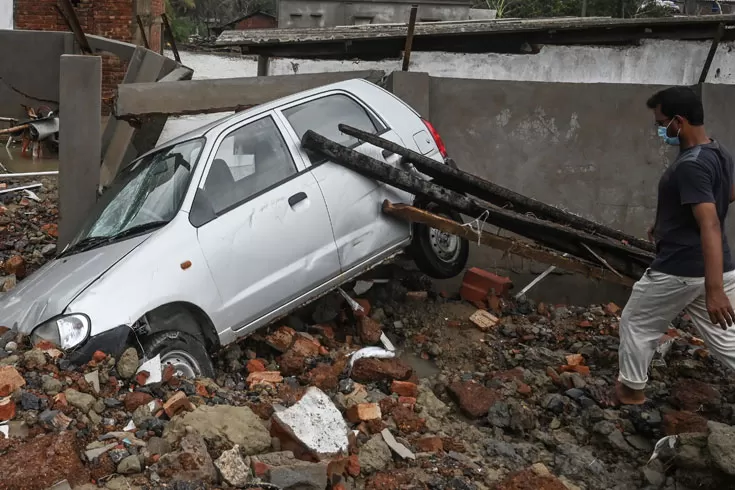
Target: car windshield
{"x":145,"y":195}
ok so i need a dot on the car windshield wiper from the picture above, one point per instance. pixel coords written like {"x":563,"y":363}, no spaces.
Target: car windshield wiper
{"x":85,"y":244}
{"x":138,"y":229}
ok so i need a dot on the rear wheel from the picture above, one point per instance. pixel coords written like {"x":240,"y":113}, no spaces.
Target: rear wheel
{"x":184,"y":352}
{"x":439,"y":254}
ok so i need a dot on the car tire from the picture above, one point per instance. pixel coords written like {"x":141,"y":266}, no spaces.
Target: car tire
{"x":187,"y":353}
{"x":437,"y":254}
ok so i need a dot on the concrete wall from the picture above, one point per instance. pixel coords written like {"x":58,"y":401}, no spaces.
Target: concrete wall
{"x":6,"y":14}
{"x":29,"y":70}
{"x":320,"y":13}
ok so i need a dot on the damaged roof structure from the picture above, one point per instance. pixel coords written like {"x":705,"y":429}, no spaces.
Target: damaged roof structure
{"x":375,"y":41}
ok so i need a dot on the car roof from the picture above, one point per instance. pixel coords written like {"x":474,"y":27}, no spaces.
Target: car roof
{"x":352,"y":84}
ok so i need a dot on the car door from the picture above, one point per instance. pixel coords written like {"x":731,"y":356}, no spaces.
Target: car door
{"x":263,"y":225}
{"x":361,"y":229}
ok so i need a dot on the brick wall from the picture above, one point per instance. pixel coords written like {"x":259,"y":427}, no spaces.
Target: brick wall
{"x":256,"y":21}
{"x":113,"y":19}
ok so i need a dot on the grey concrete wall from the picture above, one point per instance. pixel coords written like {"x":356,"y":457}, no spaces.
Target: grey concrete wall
{"x":320,"y":13}
{"x":29,"y":70}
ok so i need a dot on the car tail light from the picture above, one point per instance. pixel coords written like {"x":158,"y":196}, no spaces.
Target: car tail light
{"x":437,"y":138}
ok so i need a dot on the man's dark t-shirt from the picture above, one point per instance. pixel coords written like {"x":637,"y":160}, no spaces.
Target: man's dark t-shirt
{"x":700,"y":174}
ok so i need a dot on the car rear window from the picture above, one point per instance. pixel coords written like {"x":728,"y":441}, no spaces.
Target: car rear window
{"x":325,"y":114}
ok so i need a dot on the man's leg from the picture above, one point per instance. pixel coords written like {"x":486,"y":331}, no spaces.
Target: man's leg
{"x":721,"y":343}
{"x":655,"y":301}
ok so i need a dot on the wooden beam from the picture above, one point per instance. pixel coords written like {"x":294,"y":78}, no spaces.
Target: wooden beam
{"x":171,"y":38}
{"x":141,"y":100}
{"x":507,"y":245}
{"x":70,"y":15}
{"x":712,"y":51}
{"x":142,"y":32}
{"x":409,"y":37}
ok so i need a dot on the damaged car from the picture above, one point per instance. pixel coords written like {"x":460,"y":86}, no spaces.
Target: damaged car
{"x":222,"y":230}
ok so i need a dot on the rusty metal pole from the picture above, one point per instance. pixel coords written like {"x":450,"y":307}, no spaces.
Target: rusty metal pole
{"x":142,"y":32}
{"x":170,"y":35}
{"x":70,"y":15}
{"x":409,"y":37}
{"x":712,"y":51}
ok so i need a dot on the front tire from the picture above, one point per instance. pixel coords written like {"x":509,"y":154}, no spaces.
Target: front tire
{"x":438,"y":254}
{"x":186,"y":353}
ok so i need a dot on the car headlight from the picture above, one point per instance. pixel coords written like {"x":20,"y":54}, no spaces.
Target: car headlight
{"x":66,"y":331}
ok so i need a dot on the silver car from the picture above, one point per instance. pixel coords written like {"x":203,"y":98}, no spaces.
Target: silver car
{"x":226,"y":228}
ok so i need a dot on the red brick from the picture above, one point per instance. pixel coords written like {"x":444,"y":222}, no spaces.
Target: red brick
{"x":176,"y":404}
{"x":7,"y":409}
{"x":430,"y":444}
{"x":478,"y":284}
{"x":473,"y":398}
{"x":362,"y":412}
{"x":255,"y":366}
{"x":135,"y":399}
{"x":264,"y":377}
{"x":353,"y":466}
{"x":404,"y":388}
{"x":370,"y":331}
{"x":16,"y":265}
{"x":692,"y":395}
{"x":281,"y":339}
{"x":675,"y":423}
{"x":99,"y":356}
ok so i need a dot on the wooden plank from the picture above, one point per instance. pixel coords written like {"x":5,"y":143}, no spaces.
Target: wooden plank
{"x":508,"y":245}
{"x":409,"y":37}
{"x":139,"y":100}
{"x":70,"y":15}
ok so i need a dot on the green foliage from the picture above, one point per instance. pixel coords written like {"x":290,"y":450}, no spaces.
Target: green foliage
{"x":561,"y":8}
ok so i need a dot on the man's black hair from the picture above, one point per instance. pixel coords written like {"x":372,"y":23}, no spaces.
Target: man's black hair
{"x":679,"y":101}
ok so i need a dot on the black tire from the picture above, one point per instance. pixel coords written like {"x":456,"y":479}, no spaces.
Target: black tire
{"x":189,"y":350}
{"x":427,"y":257}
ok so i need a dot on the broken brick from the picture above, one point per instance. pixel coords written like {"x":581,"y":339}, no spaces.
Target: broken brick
{"x":168,"y":373}
{"x":10,"y":380}
{"x":264,"y":377}
{"x":585,"y":324}
{"x":406,"y":420}
{"x":292,"y":364}
{"x":365,"y":304}
{"x":575,"y":359}
{"x":353,"y":466}
{"x":693,"y":395}
{"x":281,"y":339}
{"x":136,"y":399}
{"x":15,"y":265}
{"x":430,"y":444}
{"x":407,"y":401}
{"x":524,"y":389}
{"x":675,"y":423}
{"x":177,"y":403}
{"x":612,"y":309}
{"x":255,"y":366}
{"x":142,"y":377}
{"x":99,"y":356}
{"x":404,"y":388}
{"x":305,"y":346}
{"x":473,"y":398}
{"x":323,"y":377}
{"x":369,"y":330}
{"x":362,"y":412}
{"x":477,"y":284}
{"x":371,"y":369}
{"x":484,"y":320}
{"x":583,"y":370}
{"x":530,"y":480}
{"x":7,"y":409}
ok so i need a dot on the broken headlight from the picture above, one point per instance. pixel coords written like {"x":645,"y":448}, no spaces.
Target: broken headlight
{"x":66,"y":331}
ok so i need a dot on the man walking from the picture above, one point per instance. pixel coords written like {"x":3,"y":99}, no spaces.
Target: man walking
{"x":693,"y":269}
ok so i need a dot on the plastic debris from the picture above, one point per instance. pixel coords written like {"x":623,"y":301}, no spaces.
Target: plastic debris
{"x":387,"y":343}
{"x":668,"y":442}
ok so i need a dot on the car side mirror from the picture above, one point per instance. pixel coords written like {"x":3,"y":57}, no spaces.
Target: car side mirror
{"x":202,"y":210}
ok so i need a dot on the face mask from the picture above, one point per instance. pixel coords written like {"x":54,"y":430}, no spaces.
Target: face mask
{"x":667,"y":139}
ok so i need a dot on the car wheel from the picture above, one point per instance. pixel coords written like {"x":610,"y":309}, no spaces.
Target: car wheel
{"x":439,"y":254}
{"x":185,"y":353}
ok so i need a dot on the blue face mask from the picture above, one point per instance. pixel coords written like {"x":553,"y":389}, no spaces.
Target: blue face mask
{"x":667,"y":139}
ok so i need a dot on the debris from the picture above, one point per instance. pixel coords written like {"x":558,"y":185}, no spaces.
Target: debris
{"x":315,"y":424}
{"x":10,"y":380}
{"x":127,"y":366}
{"x":370,"y":352}
{"x":264,"y":377}
{"x":396,"y":446}
{"x":153,"y":368}
{"x":387,"y":343}
{"x":362,"y":287}
{"x":363,"y":412}
{"x":375,"y":455}
{"x":473,"y":398}
{"x":668,"y":441}
{"x":93,"y":379}
{"x":478,"y":284}
{"x":484,"y":320}
{"x":235,"y":472}
{"x":354,"y":305}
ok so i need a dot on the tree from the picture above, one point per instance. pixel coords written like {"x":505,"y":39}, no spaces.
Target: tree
{"x":562,"y":8}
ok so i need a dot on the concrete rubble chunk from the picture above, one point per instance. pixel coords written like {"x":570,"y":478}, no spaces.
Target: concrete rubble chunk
{"x":315,"y":423}
{"x":234,"y":470}
{"x":222,"y":424}
{"x":721,"y":446}
{"x":396,"y":446}
{"x":10,"y":380}
{"x":375,"y":455}
{"x":191,"y":463}
{"x":77,"y":399}
{"x":129,"y":465}
{"x":127,"y":365}
{"x":299,"y":476}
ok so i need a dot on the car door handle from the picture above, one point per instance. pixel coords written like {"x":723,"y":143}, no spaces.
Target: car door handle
{"x":296,"y":198}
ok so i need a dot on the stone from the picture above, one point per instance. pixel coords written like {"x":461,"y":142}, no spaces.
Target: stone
{"x":675,"y":423}
{"x":512,"y":414}
{"x":255,"y":366}
{"x":300,"y":476}
{"x":653,"y":477}
{"x":158,"y":445}
{"x":16,"y":266}
{"x":473,"y":398}
{"x":367,"y":370}
{"x":291,"y":364}
{"x":374,"y":455}
{"x":135,"y":399}
{"x":10,"y":380}
{"x":617,"y":440}
{"x":51,"y":385}
{"x":528,"y":479}
{"x":640,"y":443}
{"x":43,"y":461}
{"x":369,"y":330}
{"x":362,"y":412}
{"x":77,"y":399}
{"x":95,"y":452}
{"x":721,"y":446}
{"x":431,"y":405}
{"x":34,"y":359}
{"x":128,"y":363}
{"x":404,"y":388}
{"x":142,"y":415}
{"x":129,"y":465}
{"x":29,"y":401}
{"x":555,"y":402}
{"x":192,"y":462}
{"x":692,"y":395}
{"x":235,"y":472}
{"x":222,"y":424}
{"x":313,"y":425}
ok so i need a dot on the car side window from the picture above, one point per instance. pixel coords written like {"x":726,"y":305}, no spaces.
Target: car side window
{"x":324,"y":115}
{"x":249,"y":160}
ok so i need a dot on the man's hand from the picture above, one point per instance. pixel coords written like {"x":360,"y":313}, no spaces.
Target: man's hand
{"x":719,"y":308}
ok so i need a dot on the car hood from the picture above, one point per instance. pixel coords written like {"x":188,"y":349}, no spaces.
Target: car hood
{"x":48,"y":291}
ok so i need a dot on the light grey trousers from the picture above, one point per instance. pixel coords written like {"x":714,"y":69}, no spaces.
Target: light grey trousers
{"x":656,"y":300}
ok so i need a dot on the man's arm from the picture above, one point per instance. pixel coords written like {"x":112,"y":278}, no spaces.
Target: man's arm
{"x":718,"y":304}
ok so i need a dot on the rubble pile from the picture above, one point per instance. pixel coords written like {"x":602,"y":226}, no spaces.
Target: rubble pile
{"x":479,"y":393}
{"x":28,"y":228}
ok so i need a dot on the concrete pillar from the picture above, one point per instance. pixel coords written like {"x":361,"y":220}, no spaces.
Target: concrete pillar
{"x":80,"y":141}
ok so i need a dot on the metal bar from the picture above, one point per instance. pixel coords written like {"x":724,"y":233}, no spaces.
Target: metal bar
{"x":712,"y":51}
{"x":71,"y":17}
{"x":142,"y":32}
{"x":462,"y":182}
{"x":409,"y":37}
{"x":604,"y":262}
{"x":28,"y":174}
{"x":170,"y":35}
{"x":20,"y":188}
{"x":15,"y":129}
{"x":628,"y":259}
{"x":508,"y":245}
